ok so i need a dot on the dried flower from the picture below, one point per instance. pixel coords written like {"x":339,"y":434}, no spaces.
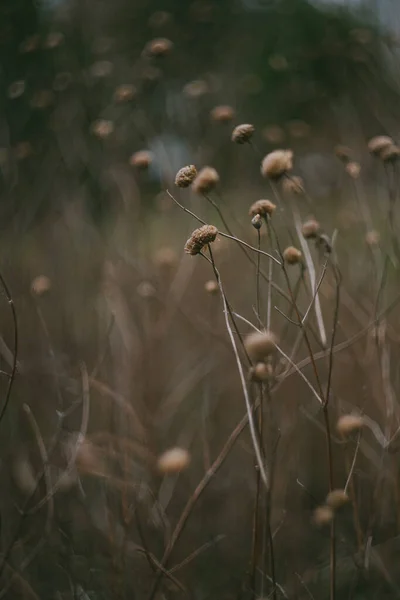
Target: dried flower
{"x":372,"y":237}
{"x":141,"y":159}
{"x":292,"y":255}
{"x":336,"y":499}
{"x":40,"y":285}
{"x":293,"y":185}
{"x":379,"y":143}
{"x":174,"y":460}
{"x":344,"y":153}
{"x":260,"y":344}
{"x":222,"y":114}
{"x":211,"y":287}
{"x":242,"y":133}
{"x":200,"y":238}
{"x":277,"y":163}
{"x":323,"y":515}
{"x":390,"y":153}
{"x":257,"y":222}
{"x":102,"y":128}
{"x":206,"y":180}
{"x":159,"y":47}
{"x":124,"y":93}
{"x":310,"y":229}
{"x":348,"y":424}
{"x":264,"y":208}
{"x":185,"y":176}
{"x":353,"y":169}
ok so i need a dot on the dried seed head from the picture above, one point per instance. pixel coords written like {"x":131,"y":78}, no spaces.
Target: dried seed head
{"x":292,"y":255}
{"x":390,"y":153}
{"x":166,"y":258}
{"x":159,"y":47}
{"x":372,"y":237}
{"x":141,"y":159}
{"x":323,"y":515}
{"x":206,"y":180}
{"x":348,"y":424}
{"x":277,"y":163}
{"x":124,"y":93}
{"x":222,"y":114}
{"x":211,"y":287}
{"x":260,"y":344}
{"x":174,"y":460}
{"x":102,"y":128}
{"x":242,"y":133}
{"x":336,"y":499}
{"x":353,"y":169}
{"x":200,"y":238}
{"x":264,"y":208}
{"x":379,"y":143}
{"x":310,"y":229}
{"x":256,"y":222}
{"x":40,"y":285}
{"x":196,"y":89}
{"x":185,"y":176}
{"x":344,"y":153}
{"x":261,"y":372}
{"x":293,"y":185}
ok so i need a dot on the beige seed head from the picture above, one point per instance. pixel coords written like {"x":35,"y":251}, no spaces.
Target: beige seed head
{"x":277,"y":163}
{"x":206,"y":180}
{"x":372,"y":237}
{"x":260,"y":344}
{"x":242,"y":133}
{"x":185,"y":176}
{"x":159,"y":47}
{"x":174,"y":460}
{"x":222,"y":114}
{"x":264,"y":208}
{"x":323,"y":515}
{"x":200,"y":238}
{"x":336,"y":499}
{"x":378,"y":143}
{"x":310,"y":229}
{"x":102,"y":128}
{"x":353,"y":169}
{"x":348,"y":424}
{"x":390,"y":153}
{"x":141,"y":159}
{"x":291,"y":255}
{"x":211,"y":287}
{"x":293,"y":185}
{"x":40,"y":285}
{"x":261,"y":372}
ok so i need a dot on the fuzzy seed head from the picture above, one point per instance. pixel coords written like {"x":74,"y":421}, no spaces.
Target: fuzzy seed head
{"x":378,"y":143}
{"x":222,"y":114}
{"x":206,"y":180}
{"x":264,"y":208}
{"x":174,"y":460}
{"x":242,"y":133}
{"x":390,"y":154}
{"x":260,"y":344}
{"x":211,"y":287}
{"x":200,"y":238}
{"x":372,"y":237}
{"x":353,"y":169}
{"x":159,"y":47}
{"x":293,"y":185}
{"x":102,"y":128}
{"x":336,"y":499}
{"x":343,"y":153}
{"x":291,"y":255}
{"x":348,"y":424}
{"x":323,"y":515}
{"x":185,"y":176}
{"x":310,"y":229}
{"x":277,"y":163}
{"x":40,"y":285}
{"x":141,"y":159}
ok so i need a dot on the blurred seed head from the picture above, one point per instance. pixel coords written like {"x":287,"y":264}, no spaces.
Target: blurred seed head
{"x":124,"y":93}
{"x":293,"y":185}
{"x":166,"y":258}
{"x":348,"y":424}
{"x":141,"y":160}
{"x":353,"y":169}
{"x":211,"y":287}
{"x":390,"y":154}
{"x":196,"y":89}
{"x":150,"y":73}
{"x":336,"y":499}
{"x":274,"y":134}
{"x":185,"y":176}
{"x":53,"y":40}
{"x":242,"y":133}
{"x":264,"y":208}
{"x":102,"y":128}
{"x":379,"y":143}
{"x":323,"y":515}
{"x":200,"y":238}
{"x":372,"y":237}
{"x":146,"y":289}
{"x":16,"y":89}
{"x":292,"y":256}
{"x":311,"y":229}
{"x":260,"y":344}
{"x":40,"y":285}
{"x":159,"y":47}
{"x":101,"y":68}
{"x":206,"y":180}
{"x":262,"y":371}
{"x":344,"y":153}
{"x":174,"y":460}
{"x":222,"y":114}
{"x":277,"y":163}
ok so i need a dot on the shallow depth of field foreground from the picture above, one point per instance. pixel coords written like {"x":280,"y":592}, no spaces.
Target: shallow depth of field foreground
{"x":200,"y":300}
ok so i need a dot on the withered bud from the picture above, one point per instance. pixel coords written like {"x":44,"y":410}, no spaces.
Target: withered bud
{"x":260,"y":344}
{"x":159,"y":47}
{"x":379,"y":143}
{"x":390,"y":154}
{"x":344,"y":153}
{"x":348,"y":424}
{"x":277,"y":163}
{"x":222,"y":114}
{"x":310,"y":229}
{"x":264,"y":208}
{"x":293,"y":185}
{"x":256,"y":222}
{"x":141,"y":159}
{"x":336,"y":499}
{"x":185,"y":176}
{"x":174,"y":460}
{"x":353,"y":169}
{"x":242,"y":133}
{"x":261,"y":372}
{"x":291,"y":255}
{"x":206,"y":180}
{"x":323,"y":515}
{"x":211,"y":287}
{"x":124,"y":93}
{"x":200,"y":238}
